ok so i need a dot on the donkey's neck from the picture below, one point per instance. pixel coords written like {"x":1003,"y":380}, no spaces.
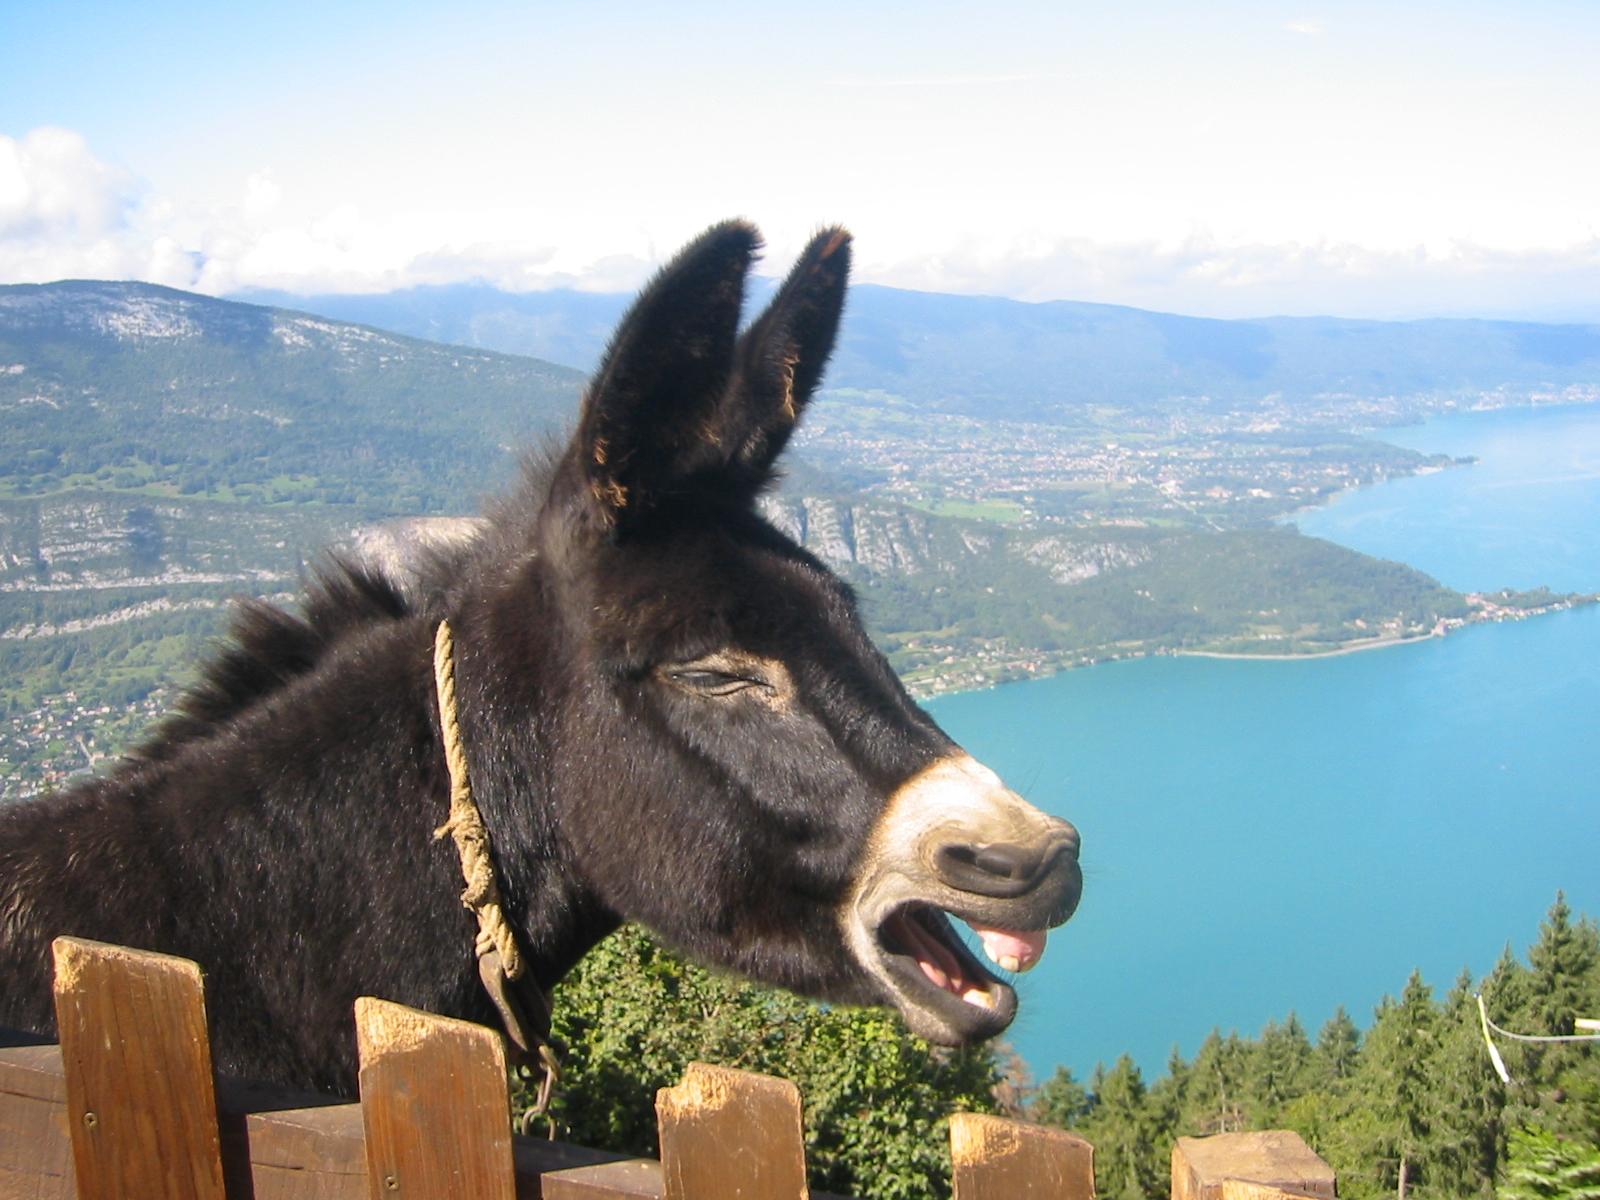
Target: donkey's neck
{"x":319,"y":805}
{"x":507,"y":671}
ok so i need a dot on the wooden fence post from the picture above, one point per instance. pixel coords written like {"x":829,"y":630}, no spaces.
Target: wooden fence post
{"x":35,"y":1150}
{"x":994,"y":1159}
{"x":1238,"y":1189}
{"x":1276,"y":1160}
{"x":141,"y":1098}
{"x":731,"y":1135}
{"x":435,"y":1105}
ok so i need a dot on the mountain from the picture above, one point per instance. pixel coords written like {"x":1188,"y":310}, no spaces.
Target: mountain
{"x":137,"y":387}
{"x":991,"y":357}
{"x":561,"y":326}
{"x":161,"y":452}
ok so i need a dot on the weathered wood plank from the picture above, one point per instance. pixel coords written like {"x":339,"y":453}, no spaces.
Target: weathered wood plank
{"x":996,"y":1159}
{"x":731,"y":1135}
{"x":35,"y":1151}
{"x":626,"y":1179}
{"x":290,"y":1153}
{"x":1275,"y":1158}
{"x":435,"y":1104}
{"x":1238,"y":1189}
{"x":141,"y":1103}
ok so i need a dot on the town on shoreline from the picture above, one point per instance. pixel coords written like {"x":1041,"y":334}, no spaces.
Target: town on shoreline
{"x":1486,"y":608}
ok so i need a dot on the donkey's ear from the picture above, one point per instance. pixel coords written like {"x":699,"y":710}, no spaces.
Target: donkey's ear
{"x":781,"y":356}
{"x":648,"y":420}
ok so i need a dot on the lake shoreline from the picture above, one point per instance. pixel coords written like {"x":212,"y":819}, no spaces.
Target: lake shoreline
{"x":1031,"y":668}
{"x":1335,"y":652}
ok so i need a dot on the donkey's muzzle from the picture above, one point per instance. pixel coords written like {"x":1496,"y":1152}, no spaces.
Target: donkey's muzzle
{"x":995,"y":859}
{"x":1006,"y":870}
{"x":955,"y":843}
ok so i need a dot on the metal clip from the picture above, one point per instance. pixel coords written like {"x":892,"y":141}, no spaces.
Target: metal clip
{"x":550,"y":1068}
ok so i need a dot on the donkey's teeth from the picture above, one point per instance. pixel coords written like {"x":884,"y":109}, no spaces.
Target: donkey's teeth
{"x":1010,"y":949}
{"x":979,"y":997}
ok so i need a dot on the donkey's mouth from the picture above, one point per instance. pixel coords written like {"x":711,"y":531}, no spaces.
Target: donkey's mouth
{"x":939,"y":980}
{"x":953,"y":841}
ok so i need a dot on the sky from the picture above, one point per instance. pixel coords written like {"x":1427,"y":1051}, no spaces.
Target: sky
{"x":1225,"y":159}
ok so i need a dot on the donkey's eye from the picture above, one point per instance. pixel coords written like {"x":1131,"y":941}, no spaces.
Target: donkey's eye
{"x":712,"y":683}
{"x":728,"y":672}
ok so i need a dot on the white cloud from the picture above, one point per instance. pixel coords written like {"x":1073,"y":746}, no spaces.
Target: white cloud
{"x":262,"y":195}
{"x":1307,"y":28}
{"x":51,"y":185}
{"x":65,"y":213}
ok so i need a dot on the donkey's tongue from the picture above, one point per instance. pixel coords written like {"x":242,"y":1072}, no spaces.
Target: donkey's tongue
{"x":1011,"y":949}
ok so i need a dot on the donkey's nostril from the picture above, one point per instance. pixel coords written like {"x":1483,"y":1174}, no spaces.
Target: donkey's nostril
{"x":1008,"y":862}
{"x":1002,"y":869}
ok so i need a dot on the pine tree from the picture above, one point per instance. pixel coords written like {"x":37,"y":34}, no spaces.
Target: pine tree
{"x":1562,"y":961}
{"x":1468,"y":1135}
{"x":1508,"y":1001}
{"x":1061,"y":1101}
{"x":1507,"y":990}
{"x":1338,"y":1046}
{"x":1563,"y":984}
{"x":1127,"y":1164}
{"x":1214,"y":1099}
{"x":1279,"y":1066}
{"x":1165,"y":1099}
{"x":1394,"y":1081}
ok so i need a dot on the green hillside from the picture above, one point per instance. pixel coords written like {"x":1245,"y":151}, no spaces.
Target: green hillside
{"x":138,"y":388}
{"x":162,"y":452}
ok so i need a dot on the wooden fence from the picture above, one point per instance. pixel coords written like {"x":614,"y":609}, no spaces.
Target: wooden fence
{"x":127,"y":1108}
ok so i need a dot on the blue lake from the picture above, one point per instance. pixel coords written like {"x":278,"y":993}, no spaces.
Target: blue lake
{"x":1267,"y":837}
{"x":1527,"y":513}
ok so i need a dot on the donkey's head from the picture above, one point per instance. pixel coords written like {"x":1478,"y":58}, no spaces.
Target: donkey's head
{"x":741,"y":770}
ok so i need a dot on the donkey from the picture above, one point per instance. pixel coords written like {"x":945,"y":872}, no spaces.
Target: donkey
{"x":671,"y":715}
